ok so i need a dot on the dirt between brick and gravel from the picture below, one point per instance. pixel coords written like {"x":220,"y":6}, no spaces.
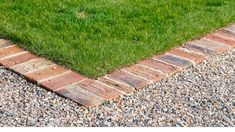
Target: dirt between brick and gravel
{"x":203,"y":95}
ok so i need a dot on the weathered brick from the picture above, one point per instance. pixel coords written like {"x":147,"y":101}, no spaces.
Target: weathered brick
{"x":81,"y":96}
{"x":202,"y":50}
{"x":226,"y":34}
{"x":197,"y":58}
{"x":46,"y":73}
{"x":91,"y":93}
{"x":220,"y":39}
{"x":146,"y":73}
{"x":30,"y":66}
{"x":128,"y":79}
{"x":167,"y":69}
{"x":17,"y":59}
{"x":99,"y":89}
{"x":230,"y":28}
{"x":9,"y":51}
{"x":4,"y":43}
{"x":213,"y":45}
{"x":180,"y":62}
{"x":119,"y":86}
{"x":61,"y":81}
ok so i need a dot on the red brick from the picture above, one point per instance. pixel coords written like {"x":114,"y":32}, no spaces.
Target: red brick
{"x":230,"y":28}
{"x":46,"y":73}
{"x":17,"y":59}
{"x":146,"y":73}
{"x":129,"y":79}
{"x":199,"y":49}
{"x":9,"y":51}
{"x":226,"y":34}
{"x":213,"y":45}
{"x":177,"y":61}
{"x":61,"y":81}
{"x":167,"y":69}
{"x":221,"y":39}
{"x":197,"y":58}
{"x":119,"y":86}
{"x":99,"y":89}
{"x":30,"y":66}
{"x":81,"y":96}
{"x":4,"y":43}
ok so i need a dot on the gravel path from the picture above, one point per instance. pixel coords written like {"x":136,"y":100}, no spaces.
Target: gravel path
{"x":203,"y":95}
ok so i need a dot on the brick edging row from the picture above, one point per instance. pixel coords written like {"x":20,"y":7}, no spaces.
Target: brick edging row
{"x":90,"y":92}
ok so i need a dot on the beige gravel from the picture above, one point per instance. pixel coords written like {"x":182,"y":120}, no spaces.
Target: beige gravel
{"x":203,"y":95}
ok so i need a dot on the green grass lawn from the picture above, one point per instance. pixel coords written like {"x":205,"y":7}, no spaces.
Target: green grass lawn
{"x":95,"y":37}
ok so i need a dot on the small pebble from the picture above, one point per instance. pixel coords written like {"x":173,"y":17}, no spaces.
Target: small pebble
{"x":202,"y":95}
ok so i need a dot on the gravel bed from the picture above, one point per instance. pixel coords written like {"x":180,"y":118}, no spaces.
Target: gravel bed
{"x":203,"y":95}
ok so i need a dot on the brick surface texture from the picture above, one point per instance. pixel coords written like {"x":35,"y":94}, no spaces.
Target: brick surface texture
{"x":94,"y":92}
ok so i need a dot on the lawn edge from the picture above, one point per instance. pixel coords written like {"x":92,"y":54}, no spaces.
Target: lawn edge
{"x":94,"y":92}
